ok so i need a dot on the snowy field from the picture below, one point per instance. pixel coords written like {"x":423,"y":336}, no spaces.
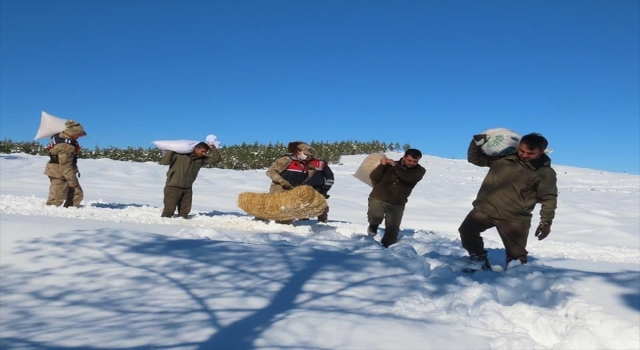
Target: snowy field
{"x":114,"y":275}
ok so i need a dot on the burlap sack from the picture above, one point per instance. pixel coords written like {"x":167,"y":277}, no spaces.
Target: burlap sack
{"x":367,"y":166}
{"x":301,"y":202}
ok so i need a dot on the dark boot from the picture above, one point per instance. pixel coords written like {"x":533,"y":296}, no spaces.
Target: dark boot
{"x":372,"y":230}
{"x":479,"y":262}
{"x":522,"y":259}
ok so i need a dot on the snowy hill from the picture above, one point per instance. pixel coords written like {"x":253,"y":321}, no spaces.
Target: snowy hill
{"x":113,"y":274}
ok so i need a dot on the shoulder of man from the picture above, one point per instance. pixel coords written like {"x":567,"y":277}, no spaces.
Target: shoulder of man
{"x":283,"y":160}
{"x":63,"y":147}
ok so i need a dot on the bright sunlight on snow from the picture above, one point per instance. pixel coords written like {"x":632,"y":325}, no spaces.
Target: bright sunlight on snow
{"x":114,"y":275}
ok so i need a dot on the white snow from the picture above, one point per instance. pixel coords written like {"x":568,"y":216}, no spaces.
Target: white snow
{"x":114,"y":275}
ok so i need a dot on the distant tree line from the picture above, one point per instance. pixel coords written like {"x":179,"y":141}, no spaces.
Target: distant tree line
{"x":237,"y":157}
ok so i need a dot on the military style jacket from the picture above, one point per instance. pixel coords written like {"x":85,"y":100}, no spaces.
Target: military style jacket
{"x":63,"y":158}
{"x":184,"y":168}
{"x":291,"y":169}
{"x":512,"y":187}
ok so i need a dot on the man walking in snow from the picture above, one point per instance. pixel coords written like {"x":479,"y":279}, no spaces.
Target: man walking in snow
{"x":393,"y":182}
{"x":507,"y":197}
{"x":182,"y":173}
{"x":62,"y":168}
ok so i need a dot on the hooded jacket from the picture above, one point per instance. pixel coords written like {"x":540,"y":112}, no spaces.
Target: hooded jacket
{"x":393,"y":184}
{"x":513,"y":187}
{"x":184,"y":168}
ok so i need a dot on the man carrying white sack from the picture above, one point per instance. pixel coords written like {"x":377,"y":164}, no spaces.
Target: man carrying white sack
{"x":62,"y":168}
{"x":182,"y":173}
{"x":392,"y":184}
{"x":507,"y":197}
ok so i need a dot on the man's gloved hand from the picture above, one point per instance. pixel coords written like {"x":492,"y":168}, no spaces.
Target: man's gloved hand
{"x":286,"y":185}
{"x":480,"y":139}
{"x":543,"y":231}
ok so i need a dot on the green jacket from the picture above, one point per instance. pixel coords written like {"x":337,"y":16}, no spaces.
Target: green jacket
{"x":512,"y":187}
{"x":393,"y":184}
{"x":184,"y":168}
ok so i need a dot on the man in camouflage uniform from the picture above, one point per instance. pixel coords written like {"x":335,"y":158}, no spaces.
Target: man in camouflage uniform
{"x":182,"y":173}
{"x":509,"y":192}
{"x":290,"y":170}
{"x":62,"y":168}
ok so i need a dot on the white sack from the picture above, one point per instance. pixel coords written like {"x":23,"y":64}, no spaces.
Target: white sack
{"x":500,"y":141}
{"x":49,"y":126}
{"x":178,"y":146}
{"x":367,"y":166}
{"x":212,"y":140}
{"x":184,"y":146}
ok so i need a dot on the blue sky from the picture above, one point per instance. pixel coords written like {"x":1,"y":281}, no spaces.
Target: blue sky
{"x":427,"y":73}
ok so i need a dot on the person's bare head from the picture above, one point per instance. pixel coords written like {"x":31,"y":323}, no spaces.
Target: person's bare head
{"x":531,"y":147}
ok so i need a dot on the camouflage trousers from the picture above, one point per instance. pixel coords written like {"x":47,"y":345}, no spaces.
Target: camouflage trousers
{"x":61,"y":194}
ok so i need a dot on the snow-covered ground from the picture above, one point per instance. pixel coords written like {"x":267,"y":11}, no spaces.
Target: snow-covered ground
{"x":114,"y":275}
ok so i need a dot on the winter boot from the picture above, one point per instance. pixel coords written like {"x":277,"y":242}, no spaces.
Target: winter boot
{"x":372,"y":230}
{"x":478,"y":262}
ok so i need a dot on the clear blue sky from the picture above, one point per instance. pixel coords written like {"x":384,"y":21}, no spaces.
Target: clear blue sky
{"x":429,"y":73}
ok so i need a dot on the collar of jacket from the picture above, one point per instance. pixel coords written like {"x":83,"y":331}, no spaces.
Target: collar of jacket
{"x":542,"y":162}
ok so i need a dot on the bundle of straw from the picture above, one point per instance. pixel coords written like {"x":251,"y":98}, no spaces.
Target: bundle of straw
{"x":300,"y":202}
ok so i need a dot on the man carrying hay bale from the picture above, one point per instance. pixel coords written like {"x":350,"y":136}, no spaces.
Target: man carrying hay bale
{"x":392,"y":184}
{"x":288,"y":198}
{"x":291,"y":170}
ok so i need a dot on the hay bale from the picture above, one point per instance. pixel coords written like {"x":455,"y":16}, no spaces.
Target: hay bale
{"x":300,"y":202}
{"x":367,"y":166}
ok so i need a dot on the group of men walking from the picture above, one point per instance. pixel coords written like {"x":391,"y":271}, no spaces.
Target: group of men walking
{"x":513,"y":186}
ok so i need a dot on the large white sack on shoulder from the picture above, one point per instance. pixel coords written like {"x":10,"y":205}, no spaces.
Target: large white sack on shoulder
{"x":500,"y":142}
{"x":367,"y":166}
{"x":212,"y":140}
{"x":49,"y":126}
{"x":178,"y":146}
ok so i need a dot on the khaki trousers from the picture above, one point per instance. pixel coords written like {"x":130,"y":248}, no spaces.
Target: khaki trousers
{"x":61,"y":194}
